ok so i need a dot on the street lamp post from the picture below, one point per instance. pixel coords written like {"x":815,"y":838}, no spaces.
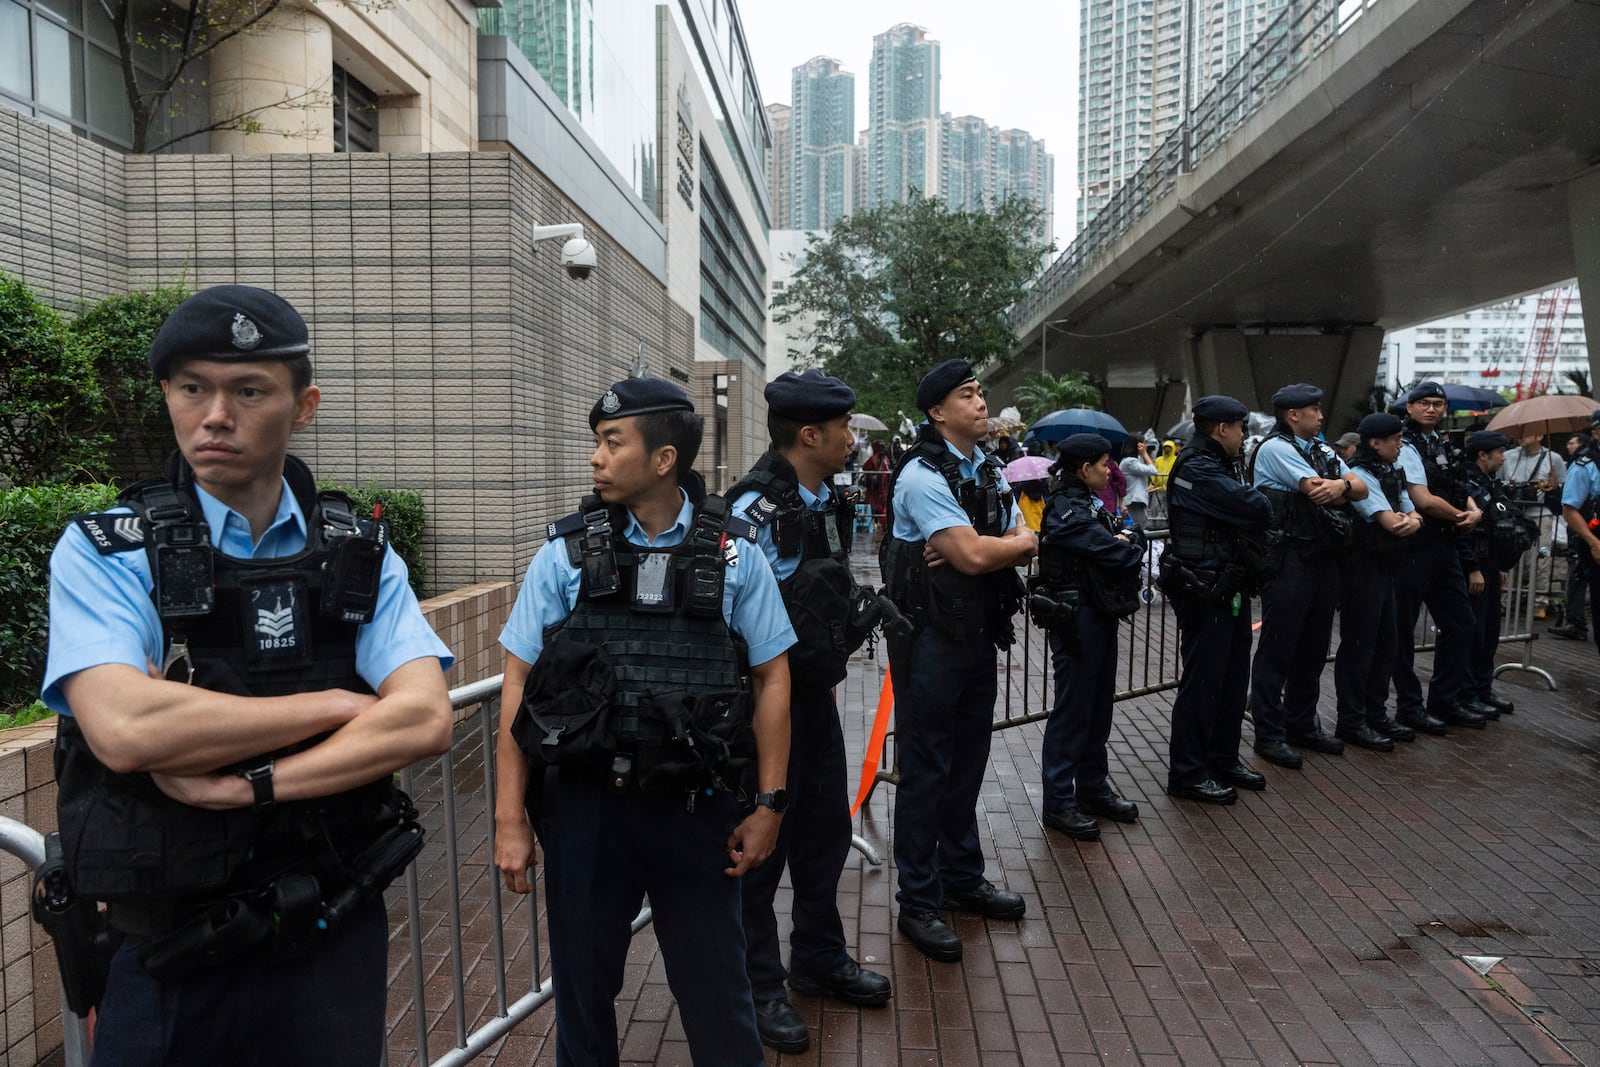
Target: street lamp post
{"x":1044,"y":336}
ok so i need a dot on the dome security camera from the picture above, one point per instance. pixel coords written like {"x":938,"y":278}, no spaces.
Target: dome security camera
{"x":578,"y":256}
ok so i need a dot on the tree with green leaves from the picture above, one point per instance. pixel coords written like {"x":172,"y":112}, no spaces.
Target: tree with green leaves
{"x":888,"y":293}
{"x":49,"y":398}
{"x":115,"y":334}
{"x":1042,"y":392}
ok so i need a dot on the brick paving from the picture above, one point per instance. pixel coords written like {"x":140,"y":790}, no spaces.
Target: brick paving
{"x":1322,"y":921}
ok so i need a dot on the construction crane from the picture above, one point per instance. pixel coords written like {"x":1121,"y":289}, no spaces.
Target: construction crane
{"x":1544,"y":342}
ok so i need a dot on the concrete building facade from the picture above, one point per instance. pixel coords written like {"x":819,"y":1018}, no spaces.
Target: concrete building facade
{"x":780,"y":163}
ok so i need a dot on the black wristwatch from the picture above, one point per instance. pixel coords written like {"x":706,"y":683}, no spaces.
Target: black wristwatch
{"x":777,"y":800}
{"x":260,"y":779}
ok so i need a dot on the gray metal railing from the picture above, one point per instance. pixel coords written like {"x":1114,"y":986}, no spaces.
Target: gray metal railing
{"x":1296,"y":36}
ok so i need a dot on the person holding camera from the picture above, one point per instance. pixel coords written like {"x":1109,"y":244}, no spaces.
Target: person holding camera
{"x":239,"y":666}
{"x":949,"y":562}
{"x":1088,"y":583}
{"x":645,"y":671}
{"x":1213,"y":563}
{"x":1310,"y":489}
{"x":803,"y":527}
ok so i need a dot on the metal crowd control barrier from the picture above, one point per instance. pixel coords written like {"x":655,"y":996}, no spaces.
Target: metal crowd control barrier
{"x":27,"y":844}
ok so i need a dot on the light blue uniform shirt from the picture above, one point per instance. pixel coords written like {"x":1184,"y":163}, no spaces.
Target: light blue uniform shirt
{"x":1582,"y":485}
{"x":751,"y":604}
{"x":924,"y":505}
{"x":1280,"y":465}
{"x":1411,"y":464}
{"x":783,"y":568}
{"x":101,"y":611}
{"x":1375,"y":501}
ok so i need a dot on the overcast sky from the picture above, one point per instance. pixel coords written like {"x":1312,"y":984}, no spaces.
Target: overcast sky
{"x":1013,"y":63}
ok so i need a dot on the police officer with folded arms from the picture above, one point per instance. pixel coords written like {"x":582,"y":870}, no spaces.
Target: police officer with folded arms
{"x":1214,"y":562}
{"x":1386,"y":521}
{"x":949,"y":563}
{"x":239,"y":666}
{"x":804,"y":526}
{"x":1310,"y":489}
{"x":1495,"y":546}
{"x":1088,"y":583}
{"x":645,"y":665}
{"x":1430,"y":572}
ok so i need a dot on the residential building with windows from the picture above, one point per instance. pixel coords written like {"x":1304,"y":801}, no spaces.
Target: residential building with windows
{"x":1487,"y":346}
{"x":780,"y":163}
{"x":983,"y":165}
{"x":822,"y":172}
{"x":904,"y":121}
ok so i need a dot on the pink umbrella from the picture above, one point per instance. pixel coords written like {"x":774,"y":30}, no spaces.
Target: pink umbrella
{"x":1027,"y":469}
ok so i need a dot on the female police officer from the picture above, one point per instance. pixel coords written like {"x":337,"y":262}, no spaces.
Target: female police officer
{"x":1089,"y":572}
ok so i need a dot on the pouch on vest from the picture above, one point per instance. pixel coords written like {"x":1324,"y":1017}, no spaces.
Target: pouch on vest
{"x":819,"y":599}
{"x":709,"y":740}
{"x":565,"y":714}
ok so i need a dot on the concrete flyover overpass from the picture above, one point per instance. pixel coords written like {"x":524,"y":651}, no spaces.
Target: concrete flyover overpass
{"x":1369,"y":165}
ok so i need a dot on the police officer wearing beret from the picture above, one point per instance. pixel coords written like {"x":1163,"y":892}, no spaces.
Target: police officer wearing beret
{"x":803,"y":526}
{"x":1580,"y":500}
{"x":1089,"y":579}
{"x":1310,"y":489}
{"x":645,"y":648}
{"x":1367,"y":634}
{"x":1495,"y":546}
{"x":956,"y":537}
{"x":1430,"y":572}
{"x":1214,"y":562}
{"x":239,"y":666}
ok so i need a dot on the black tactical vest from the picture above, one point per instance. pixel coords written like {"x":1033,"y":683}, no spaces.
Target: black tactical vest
{"x":1370,"y":537}
{"x":1441,"y":464}
{"x":963,"y":606}
{"x":1303,"y":523}
{"x":1195,"y":538}
{"x":1114,"y":593}
{"x":270,"y":627}
{"x":821,"y":594}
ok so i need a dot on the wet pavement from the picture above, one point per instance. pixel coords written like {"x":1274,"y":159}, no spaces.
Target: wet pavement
{"x":1325,"y":920}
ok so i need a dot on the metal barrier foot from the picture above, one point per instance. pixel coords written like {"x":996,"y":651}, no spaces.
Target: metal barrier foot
{"x":863,"y":846}
{"x":1549,"y":682}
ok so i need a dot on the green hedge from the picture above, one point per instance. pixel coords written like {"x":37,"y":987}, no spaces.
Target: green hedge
{"x":407,"y":520}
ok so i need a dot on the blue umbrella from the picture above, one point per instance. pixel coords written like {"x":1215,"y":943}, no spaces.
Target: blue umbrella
{"x":1059,"y":425}
{"x":1463,"y":398}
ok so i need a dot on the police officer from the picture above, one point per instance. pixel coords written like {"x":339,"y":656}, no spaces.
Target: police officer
{"x":1494,"y":547}
{"x":1365,"y":658}
{"x":1214,"y":561}
{"x":626,"y":641}
{"x":223,"y":806}
{"x":1089,"y":575}
{"x":1579,"y":496}
{"x":803,"y":526}
{"x":1430,"y":571}
{"x":956,"y":537}
{"x":1309,"y":487}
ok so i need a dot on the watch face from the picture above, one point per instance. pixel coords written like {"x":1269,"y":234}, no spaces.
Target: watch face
{"x":777,"y":800}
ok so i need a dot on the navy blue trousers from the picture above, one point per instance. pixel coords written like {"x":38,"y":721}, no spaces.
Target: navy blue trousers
{"x":1485,"y":637}
{"x":1074,"y":756}
{"x":1296,"y":625}
{"x":1430,"y":573}
{"x":1208,"y":713}
{"x":603,"y":852}
{"x":325,"y":1009}
{"x":944,"y":711}
{"x":1365,"y":659}
{"x":814,"y":842}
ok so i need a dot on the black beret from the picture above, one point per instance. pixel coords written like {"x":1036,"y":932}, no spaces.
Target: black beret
{"x":1081,"y":448}
{"x":1299,"y":395}
{"x":809,"y":397}
{"x":236,"y":323}
{"x":938,"y":383}
{"x":1594,"y":420}
{"x":1485,"y":441}
{"x":1425,"y":391}
{"x":638,"y":396}
{"x":1220,"y":409}
{"x":1379,"y":424}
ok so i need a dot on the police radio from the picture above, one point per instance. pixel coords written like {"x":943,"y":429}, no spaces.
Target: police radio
{"x":184,"y":570}
{"x":353,"y":570}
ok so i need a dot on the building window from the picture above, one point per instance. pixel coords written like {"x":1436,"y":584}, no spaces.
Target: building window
{"x":59,"y":63}
{"x":733,"y":277}
{"x":355,"y":114}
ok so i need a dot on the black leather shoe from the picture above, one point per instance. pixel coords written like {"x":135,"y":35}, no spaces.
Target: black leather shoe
{"x":1364,"y":736}
{"x":1504,"y":707}
{"x":1481,"y":707}
{"x":1110,"y":806}
{"x":849,"y":982}
{"x":1568,"y":632}
{"x":1318,"y":742}
{"x":1421,"y":722}
{"x":932,"y":936}
{"x":1393,"y":730}
{"x":1207,"y":792}
{"x":781,"y":1027}
{"x":1279,"y":753}
{"x":1241,"y":777}
{"x":987,"y":901}
{"x":1073,"y":823}
{"x":1460,"y":716}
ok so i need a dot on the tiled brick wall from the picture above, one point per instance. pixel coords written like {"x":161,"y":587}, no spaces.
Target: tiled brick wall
{"x":469,"y":620}
{"x":30,"y":1018}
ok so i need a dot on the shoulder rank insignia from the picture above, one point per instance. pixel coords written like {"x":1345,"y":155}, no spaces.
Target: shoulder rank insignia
{"x":564,"y":526}
{"x":112,"y":533}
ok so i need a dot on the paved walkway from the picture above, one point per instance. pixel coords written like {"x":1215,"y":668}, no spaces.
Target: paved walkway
{"x":1322,"y":921}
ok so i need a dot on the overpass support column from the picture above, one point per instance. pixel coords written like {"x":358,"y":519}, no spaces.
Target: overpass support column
{"x":1583,"y":212}
{"x":1252,"y":365}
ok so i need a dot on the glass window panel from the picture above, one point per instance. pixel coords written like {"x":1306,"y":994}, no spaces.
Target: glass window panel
{"x":16,"y":66}
{"x":58,"y":58}
{"x":68,"y":11}
{"x":99,"y":26}
{"x":108,"y":97}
